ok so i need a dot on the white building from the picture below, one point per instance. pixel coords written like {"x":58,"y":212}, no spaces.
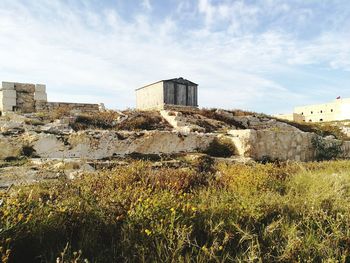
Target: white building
{"x":337,"y":110}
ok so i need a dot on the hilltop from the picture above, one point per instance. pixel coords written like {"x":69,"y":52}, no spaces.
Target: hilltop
{"x":49,"y":145}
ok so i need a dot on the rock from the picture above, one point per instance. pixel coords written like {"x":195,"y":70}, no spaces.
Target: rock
{"x":275,"y":145}
{"x":9,"y":148}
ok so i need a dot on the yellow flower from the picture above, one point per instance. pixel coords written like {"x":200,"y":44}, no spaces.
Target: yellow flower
{"x":20,"y":217}
{"x":220,"y":248}
{"x":172,"y":209}
{"x":148,"y":232}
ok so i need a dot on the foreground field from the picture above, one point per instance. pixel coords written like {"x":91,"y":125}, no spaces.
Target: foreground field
{"x":225,"y":213}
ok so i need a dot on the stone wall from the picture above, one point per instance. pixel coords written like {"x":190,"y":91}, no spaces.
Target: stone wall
{"x":21,"y":97}
{"x":103,"y":144}
{"x":76,"y":107}
{"x":276,"y":145}
{"x":28,"y":98}
{"x":25,"y":102}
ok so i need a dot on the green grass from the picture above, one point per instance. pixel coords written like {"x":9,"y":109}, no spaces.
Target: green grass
{"x":289,"y":212}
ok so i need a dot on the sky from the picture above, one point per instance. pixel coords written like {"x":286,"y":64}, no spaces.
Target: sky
{"x":263,"y":55}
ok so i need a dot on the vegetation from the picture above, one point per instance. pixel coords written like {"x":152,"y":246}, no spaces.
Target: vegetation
{"x":144,"y":120}
{"x":326,"y":150}
{"x":98,"y":120}
{"x":222,"y":147}
{"x":321,"y":129}
{"x":289,"y":212}
{"x":134,"y":121}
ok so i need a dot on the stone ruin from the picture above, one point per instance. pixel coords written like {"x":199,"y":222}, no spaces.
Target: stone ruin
{"x":29,"y":98}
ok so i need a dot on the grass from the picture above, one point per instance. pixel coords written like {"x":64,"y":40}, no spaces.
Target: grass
{"x":287,"y":212}
{"x":136,"y":121}
{"x":322,"y":129}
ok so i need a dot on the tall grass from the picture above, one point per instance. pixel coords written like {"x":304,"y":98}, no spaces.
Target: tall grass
{"x":288,"y":212}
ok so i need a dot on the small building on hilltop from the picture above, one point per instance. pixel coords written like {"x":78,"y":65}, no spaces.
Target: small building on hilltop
{"x":337,"y":110}
{"x":29,"y":98}
{"x":178,"y":92}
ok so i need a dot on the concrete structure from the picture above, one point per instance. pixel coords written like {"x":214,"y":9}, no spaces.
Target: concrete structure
{"x":172,"y":92}
{"x":337,"y":110}
{"x":28,"y":98}
{"x":21,"y":96}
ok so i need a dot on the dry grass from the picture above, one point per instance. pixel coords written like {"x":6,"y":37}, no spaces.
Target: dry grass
{"x":144,"y":120}
{"x":289,"y":212}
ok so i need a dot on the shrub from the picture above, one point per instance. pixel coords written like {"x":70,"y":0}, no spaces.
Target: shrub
{"x":213,"y":114}
{"x":321,"y":129}
{"x":221,"y":147}
{"x":28,"y":151}
{"x":59,"y":112}
{"x":98,"y":120}
{"x":143,"y":120}
{"x":326,"y":150}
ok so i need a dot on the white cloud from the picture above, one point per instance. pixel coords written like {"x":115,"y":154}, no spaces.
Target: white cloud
{"x":92,"y":55}
{"x":147,"y":4}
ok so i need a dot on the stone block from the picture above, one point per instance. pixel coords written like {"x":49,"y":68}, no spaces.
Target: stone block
{"x":26,"y":88}
{"x":8,"y":101}
{"x":40,"y":88}
{"x":9,"y":94}
{"x":40,"y":96}
{"x":7,"y":86}
{"x":7,"y":108}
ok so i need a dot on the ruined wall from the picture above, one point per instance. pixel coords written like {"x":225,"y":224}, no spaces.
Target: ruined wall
{"x":28,"y":98}
{"x":281,"y":145}
{"x":103,"y":144}
{"x":21,"y":97}
{"x":25,"y":102}
{"x":7,"y":96}
{"x":74,"y":107}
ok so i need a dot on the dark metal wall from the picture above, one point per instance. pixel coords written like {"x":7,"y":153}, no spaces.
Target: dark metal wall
{"x":180,"y":94}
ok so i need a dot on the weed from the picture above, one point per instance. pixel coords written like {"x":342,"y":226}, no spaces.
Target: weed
{"x":221,"y":147}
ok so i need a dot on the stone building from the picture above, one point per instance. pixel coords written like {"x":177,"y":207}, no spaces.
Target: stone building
{"x":172,"y":92}
{"x":337,"y":110}
{"x":28,"y":98}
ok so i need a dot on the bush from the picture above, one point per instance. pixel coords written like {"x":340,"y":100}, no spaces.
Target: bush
{"x":326,"y":150}
{"x":98,"y":120}
{"x":144,"y":120}
{"x":221,"y":147}
{"x":28,"y":151}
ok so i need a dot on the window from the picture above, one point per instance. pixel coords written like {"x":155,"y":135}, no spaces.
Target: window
{"x":321,"y":111}
{"x":312,"y":112}
{"x":331,"y":110}
{"x":321,"y":119}
{"x":310,"y":120}
{"x":302,"y":113}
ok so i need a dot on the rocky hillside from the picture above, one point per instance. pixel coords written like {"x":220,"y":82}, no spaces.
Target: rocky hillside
{"x":45,"y":146}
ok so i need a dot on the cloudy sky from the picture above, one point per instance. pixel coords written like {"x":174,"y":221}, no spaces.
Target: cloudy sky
{"x":263,"y":55}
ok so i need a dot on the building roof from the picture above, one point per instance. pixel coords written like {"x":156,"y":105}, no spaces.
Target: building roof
{"x":175,"y":80}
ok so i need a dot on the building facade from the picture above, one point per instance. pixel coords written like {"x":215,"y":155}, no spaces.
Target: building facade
{"x":337,"y":110}
{"x":172,"y":92}
{"x":29,"y":98}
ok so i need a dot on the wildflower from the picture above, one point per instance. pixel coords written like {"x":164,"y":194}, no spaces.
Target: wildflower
{"x":194,"y":209}
{"x":220,"y":248}
{"x":172,"y":209}
{"x":20,"y":217}
{"x":148,"y":232}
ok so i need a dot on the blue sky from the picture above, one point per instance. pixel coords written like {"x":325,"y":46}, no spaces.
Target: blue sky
{"x":266,"y":56}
